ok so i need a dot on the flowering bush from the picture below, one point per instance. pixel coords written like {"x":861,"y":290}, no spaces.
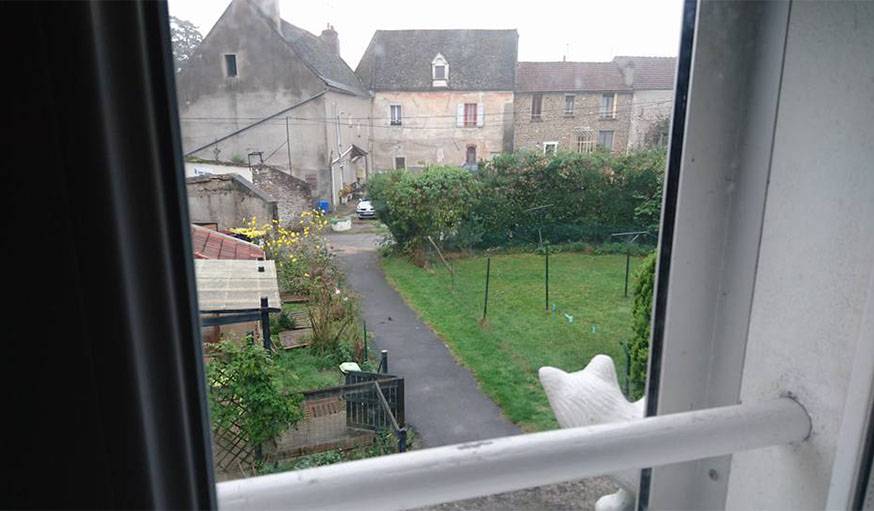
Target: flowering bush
{"x":298,"y":249}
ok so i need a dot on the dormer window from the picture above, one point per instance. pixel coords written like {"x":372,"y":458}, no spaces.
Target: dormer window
{"x":440,"y":71}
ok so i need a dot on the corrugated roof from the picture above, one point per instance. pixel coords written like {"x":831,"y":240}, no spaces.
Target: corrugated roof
{"x":233,"y":285}
{"x":478,"y":59}
{"x":569,"y":76}
{"x":651,"y":73}
{"x":210,"y":244}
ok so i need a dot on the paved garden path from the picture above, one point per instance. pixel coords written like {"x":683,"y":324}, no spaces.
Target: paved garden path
{"x":443,"y":401}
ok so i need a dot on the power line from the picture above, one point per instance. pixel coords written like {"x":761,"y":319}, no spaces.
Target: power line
{"x":333,"y":120}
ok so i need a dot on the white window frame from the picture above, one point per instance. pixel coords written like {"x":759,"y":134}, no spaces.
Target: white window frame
{"x":553,"y":144}
{"x":391,"y":115}
{"x":536,"y":116}
{"x":439,"y":61}
{"x":612,"y":139}
{"x":610,"y":112}
{"x":586,"y":141}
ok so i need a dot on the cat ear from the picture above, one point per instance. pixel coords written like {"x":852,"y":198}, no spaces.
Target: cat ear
{"x":602,"y":367}
{"x":552,"y":379}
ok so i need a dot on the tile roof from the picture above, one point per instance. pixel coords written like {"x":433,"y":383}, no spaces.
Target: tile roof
{"x":478,"y":59}
{"x":210,"y":244}
{"x":651,"y":73}
{"x":647,"y":73}
{"x":569,"y":76}
{"x":329,"y":66}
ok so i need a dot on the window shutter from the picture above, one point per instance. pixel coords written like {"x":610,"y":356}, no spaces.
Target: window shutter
{"x":480,"y":115}
{"x":459,"y":116}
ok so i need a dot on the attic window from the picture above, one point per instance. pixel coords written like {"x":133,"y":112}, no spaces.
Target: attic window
{"x":440,"y":71}
{"x":230,"y":65}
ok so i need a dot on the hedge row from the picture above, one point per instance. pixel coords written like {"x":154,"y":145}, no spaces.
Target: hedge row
{"x":522,"y":198}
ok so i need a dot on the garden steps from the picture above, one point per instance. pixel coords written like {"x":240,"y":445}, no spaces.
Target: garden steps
{"x":291,"y":339}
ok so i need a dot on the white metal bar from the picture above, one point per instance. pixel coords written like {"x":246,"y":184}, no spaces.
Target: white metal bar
{"x":445,"y":474}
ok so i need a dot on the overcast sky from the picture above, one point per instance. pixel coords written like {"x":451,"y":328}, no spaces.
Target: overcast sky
{"x":590,"y":30}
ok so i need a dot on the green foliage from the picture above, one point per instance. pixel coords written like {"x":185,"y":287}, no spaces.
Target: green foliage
{"x":587,"y":197}
{"x":433,"y":203}
{"x":243,"y":392}
{"x":239,"y":160}
{"x":641,"y":313}
{"x":185,"y":39}
{"x":281,"y":321}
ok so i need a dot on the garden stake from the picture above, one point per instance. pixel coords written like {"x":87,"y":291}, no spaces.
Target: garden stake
{"x":627,"y":266}
{"x":486,"y":300}
{"x":546,"y":277}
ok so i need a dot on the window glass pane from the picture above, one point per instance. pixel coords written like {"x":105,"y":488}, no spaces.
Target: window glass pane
{"x":503,"y":159}
{"x":231,"y":65}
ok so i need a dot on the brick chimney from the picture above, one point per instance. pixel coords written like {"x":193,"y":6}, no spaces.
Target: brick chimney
{"x":269,"y":8}
{"x":332,"y":39}
{"x":628,"y":73}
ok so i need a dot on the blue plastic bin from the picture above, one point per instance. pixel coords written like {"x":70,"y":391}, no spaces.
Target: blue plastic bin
{"x":324,"y":206}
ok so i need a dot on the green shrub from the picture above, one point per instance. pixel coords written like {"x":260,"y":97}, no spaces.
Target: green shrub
{"x":641,"y":313}
{"x":242,"y":392}
{"x":434,"y":203}
{"x":524,"y":198}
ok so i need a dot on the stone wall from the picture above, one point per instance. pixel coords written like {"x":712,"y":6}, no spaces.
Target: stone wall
{"x":228,"y":201}
{"x":292,"y":195}
{"x":555,"y":126}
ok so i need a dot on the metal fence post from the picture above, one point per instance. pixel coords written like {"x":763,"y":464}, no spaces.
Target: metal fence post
{"x":383,"y":361}
{"x":546,"y":278}
{"x":364,"y":327}
{"x":265,"y":323}
{"x":627,"y":267}
{"x":402,"y":440}
{"x":486,"y":300}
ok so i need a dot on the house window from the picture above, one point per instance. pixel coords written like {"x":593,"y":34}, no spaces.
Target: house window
{"x":470,"y":117}
{"x":569,"y":101}
{"x":470,"y":155}
{"x":536,"y":106}
{"x":586,"y":142}
{"x":608,"y":106}
{"x":400,"y":162}
{"x":440,"y":71}
{"x":605,"y":139}
{"x":230,"y":65}
{"x":395,"y":114}
{"x":550,"y":148}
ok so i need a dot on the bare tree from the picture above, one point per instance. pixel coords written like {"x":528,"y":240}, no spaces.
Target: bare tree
{"x":186,"y":38}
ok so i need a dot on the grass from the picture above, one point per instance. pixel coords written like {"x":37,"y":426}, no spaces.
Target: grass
{"x":301,"y":370}
{"x":519,"y":336}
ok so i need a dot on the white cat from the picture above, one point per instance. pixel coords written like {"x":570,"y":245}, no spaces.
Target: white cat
{"x":592,"y":396}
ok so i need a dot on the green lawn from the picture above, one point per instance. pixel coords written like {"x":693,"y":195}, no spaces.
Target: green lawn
{"x":520,"y":336}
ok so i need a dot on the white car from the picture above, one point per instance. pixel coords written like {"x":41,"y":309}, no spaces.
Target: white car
{"x":365,"y":209}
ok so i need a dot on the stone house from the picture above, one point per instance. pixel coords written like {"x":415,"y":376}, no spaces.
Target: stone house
{"x":572,"y":106}
{"x":577,"y":106}
{"x":258,"y":84}
{"x":653,"y":98}
{"x":440,"y":96}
